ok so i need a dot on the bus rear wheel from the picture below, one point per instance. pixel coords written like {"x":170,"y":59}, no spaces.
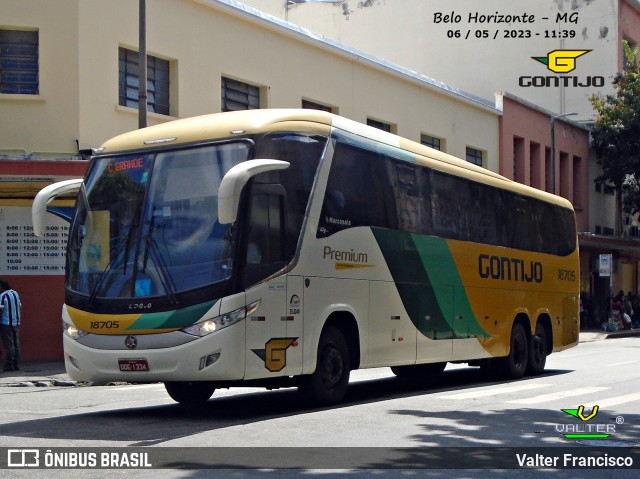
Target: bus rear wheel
{"x":190,"y":393}
{"x":515,"y":364}
{"x":538,"y":351}
{"x":328,"y":384}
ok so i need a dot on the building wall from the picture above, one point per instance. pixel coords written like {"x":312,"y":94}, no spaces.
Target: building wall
{"x":526,"y":152}
{"x":628,"y":26}
{"x":406,"y":33}
{"x":42,"y":296}
{"x":602,"y":204}
{"x":78,"y":101}
{"x":48,"y":121}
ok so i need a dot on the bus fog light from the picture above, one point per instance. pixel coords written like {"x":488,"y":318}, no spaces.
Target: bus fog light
{"x":74,"y":362}
{"x":206,"y":361}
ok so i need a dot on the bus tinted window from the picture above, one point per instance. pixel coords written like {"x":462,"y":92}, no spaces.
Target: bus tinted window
{"x":374,"y":189}
{"x":356,"y":194}
{"x":409,"y":192}
{"x":303,"y":153}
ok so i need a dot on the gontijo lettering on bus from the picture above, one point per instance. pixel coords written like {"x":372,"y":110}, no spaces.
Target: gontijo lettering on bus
{"x":510,"y":269}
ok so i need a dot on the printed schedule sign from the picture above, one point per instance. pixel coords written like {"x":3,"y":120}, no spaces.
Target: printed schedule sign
{"x":23,"y":253}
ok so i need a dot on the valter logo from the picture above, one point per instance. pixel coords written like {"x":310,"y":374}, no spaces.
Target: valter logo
{"x":585,"y":429}
{"x":562,"y":62}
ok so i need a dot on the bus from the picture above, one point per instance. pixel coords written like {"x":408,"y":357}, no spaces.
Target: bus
{"x":287,"y":248}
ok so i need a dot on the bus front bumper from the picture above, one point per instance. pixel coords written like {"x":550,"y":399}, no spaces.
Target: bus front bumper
{"x":216,"y":357}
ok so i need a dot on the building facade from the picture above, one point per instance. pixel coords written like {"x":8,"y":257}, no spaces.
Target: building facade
{"x":484,"y":47}
{"x":73,"y":83}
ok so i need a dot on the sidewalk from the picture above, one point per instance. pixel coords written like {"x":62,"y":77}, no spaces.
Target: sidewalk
{"x":588,"y":335}
{"x":37,"y":373}
{"x":53,"y":373}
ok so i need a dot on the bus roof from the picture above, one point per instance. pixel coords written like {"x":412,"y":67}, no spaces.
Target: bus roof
{"x":216,"y":126}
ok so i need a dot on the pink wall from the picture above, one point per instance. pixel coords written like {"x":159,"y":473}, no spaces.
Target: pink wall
{"x":42,"y":296}
{"x":525,"y":142}
{"x":628,"y":26}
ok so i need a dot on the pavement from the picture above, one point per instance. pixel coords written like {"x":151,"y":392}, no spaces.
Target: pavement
{"x":53,"y":373}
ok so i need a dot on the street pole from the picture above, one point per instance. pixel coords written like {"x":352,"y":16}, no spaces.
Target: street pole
{"x":553,"y":148}
{"x":142,"y":64}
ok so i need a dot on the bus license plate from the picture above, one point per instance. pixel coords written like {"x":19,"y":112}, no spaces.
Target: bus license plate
{"x":133,"y":365}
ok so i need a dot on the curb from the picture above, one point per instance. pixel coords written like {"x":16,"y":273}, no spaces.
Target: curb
{"x":598,"y":335}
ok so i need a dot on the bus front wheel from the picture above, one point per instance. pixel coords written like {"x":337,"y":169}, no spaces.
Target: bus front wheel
{"x":190,"y":393}
{"x":515,"y":364}
{"x":328,"y":384}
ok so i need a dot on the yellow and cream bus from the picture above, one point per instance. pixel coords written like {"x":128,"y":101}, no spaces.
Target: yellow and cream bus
{"x":288,"y":247}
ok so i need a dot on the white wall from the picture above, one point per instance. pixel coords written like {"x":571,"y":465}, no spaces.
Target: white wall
{"x":205,"y":40}
{"x":405,"y":32}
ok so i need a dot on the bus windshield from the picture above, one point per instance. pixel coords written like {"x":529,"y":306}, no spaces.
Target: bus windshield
{"x":146,"y":225}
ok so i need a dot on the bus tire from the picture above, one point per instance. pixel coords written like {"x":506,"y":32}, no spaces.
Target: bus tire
{"x":514,"y":365}
{"x":537,"y":351}
{"x":328,"y":384}
{"x":190,"y":393}
{"x":419,"y":371}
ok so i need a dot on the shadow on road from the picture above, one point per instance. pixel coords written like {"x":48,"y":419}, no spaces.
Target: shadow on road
{"x":157,"y":424}
{"x":456,"y":438}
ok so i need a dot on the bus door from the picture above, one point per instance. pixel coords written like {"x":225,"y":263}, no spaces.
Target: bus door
{"x":274,"y":330}
{"x":266,"y":328}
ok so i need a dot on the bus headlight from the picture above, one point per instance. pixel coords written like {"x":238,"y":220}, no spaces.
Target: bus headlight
{"x":208,"y":326}
{"x":73,"y":332}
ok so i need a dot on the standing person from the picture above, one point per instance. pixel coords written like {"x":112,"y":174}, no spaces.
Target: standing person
{"x":10,"y":325}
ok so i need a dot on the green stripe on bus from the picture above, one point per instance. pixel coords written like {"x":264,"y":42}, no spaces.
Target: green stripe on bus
{"x":429,"y":285}
{"x":442,"y":270}
{"x":179,"y":318}
{"x":413,"y":283}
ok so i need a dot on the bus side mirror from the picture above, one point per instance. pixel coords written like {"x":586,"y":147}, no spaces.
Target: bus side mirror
{"x":44,"y":196}
{"x":233,"y":182}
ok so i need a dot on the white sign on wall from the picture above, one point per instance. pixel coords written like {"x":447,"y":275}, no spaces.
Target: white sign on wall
{"x":23,"y":253}
{"x":605,"y":264}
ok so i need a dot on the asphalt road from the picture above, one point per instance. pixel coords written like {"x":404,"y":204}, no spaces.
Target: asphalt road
{"x":386,"y":425}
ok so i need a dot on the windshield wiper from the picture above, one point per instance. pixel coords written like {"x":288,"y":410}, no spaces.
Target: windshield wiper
{"x":158,"y":260}
{"x":121,"y":249}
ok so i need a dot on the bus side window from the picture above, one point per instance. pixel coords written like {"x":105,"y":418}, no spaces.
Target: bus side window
{"x":266,"y":249}
{"x":356,"y":194}
{"x":404,"y":194}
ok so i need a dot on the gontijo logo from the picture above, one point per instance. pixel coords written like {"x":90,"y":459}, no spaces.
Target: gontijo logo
{"x":561,"y":61}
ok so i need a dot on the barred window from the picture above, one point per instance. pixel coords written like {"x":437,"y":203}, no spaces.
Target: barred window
{"x":158,"y":73}
{"x":312,"y":105}
{"x":380,"y":125}
{"x":237,"y":95}
{"x":474,"y":156}
{"x":432,"y":141}
{"x":19,"y":62}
